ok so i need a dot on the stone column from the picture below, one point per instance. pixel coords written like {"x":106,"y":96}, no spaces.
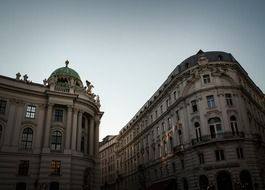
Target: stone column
{"x":17,"y":124}
{"x":91,"y":136}
{"x":47,"y":125}
{"x":74,"y":129}
{"x":68,"y":127}
{"x":96,"y":137}
{"x":10,"y":122}
{"x":86,"y":137}
{"x":79,"y":131}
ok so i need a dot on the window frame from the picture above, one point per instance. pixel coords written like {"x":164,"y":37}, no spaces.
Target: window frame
{"x":57,"y":144}
{"x":56,"y":167}
{"x":229,"y":99}
{"x":31,"y":111}
{"x":27,"y":138}
{"x":23,"y":168}
{"x":194,"y":106}
{"x":206,"y":78}
{"x":219,"y":155}
{"x":211,"y":102}
{"x":58,"y":115}
{"x":3,"y":104}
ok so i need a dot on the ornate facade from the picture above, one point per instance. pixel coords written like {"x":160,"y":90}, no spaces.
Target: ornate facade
{"x":204,"y":128}
{"x":107,"y":156}
{"x":49,"y":133}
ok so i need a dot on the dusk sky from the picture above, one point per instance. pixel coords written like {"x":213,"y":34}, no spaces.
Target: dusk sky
{"x":125,"y":48}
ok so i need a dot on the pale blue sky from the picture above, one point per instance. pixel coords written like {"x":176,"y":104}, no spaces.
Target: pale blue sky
{"x":127,"y":48}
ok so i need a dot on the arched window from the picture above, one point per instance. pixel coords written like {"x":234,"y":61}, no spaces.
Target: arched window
{"x":204,"y":183}
{"x":198,"y":131}
{"x":56,"y":141}
{"x":21,"y":186}
{"x":215,"y":127}
{"x":233,"y":124}
{"x":27,"y":137}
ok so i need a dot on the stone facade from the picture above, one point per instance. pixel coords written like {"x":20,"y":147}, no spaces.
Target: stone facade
{"x":107,"y":156}
{"x":49,"y":133}
{"x":204,"y":128}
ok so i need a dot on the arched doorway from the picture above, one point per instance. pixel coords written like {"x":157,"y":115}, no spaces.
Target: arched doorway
{"x":245,"y":180}
{"x":54,"y":185}
{"x":21,"y":186}
{"x":203,"y":182}
{"x":185,"y":184}
{"x":224,"y":181}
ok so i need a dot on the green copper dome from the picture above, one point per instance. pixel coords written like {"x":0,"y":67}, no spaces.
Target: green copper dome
{"x":65,"y":72}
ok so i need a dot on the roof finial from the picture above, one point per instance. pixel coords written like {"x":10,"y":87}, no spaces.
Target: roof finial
{"x":66,"y":63}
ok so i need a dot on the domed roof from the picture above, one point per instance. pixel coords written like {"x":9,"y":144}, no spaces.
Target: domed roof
{"x":65,"y":72}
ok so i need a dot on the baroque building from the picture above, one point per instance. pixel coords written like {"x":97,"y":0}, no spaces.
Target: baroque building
{"x":49,"y":133}
{"x":204,"y":128}
{"x":107,"y":156}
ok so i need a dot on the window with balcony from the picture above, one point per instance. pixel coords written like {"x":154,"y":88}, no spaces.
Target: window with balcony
{"x":27,"y":137}
{"x":219,"y":155}
{"x":194,"y":106}
{"x":229,"y":100}
{"x":31,"y":111}
{"x":198,"y":131}
{"x":206,"y":79}
{"x":23,"y":168}
{"x":233,"y":124}
{"x":58,"y":115}
{"x":2,"y":106}
{"x":55,"y":167}
{"x":210,"y":102}
{"x":56,"y":144}
{"x":215,"y":127}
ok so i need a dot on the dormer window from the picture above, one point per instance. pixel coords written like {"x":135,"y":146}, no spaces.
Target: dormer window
{"x":220,"y":58}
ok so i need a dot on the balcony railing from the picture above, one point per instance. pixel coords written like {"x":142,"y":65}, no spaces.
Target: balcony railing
{"x":217,"y":137}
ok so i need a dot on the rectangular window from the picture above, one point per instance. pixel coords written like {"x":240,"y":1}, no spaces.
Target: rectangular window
{"x":229,"y":100}
{"x":210,"y":101}
{"x":2,"y":106}
{"x":156,"y":114}
{"x":23,"y":167}
{"x":239,"y":152}
{"x":167,"y":103}
{"x":182,"y":164}
{"x":194,"y":106}
{"x":163,"y":127}
{"x":175,"y":95}
{"x":58,"y":115}
{"x":31,"y":111}
{"x":161,"y":109}
{"x":206,"y":79}
{"x":157,"y":130}
{"x":169,"y":123}
{"x":55,"y":167}
{"x":177,"y":115}
{"x":219,"y":154}
{"x":201,"y":158}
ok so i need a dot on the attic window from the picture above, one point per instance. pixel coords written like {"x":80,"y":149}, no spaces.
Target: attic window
{"x":186,"y":65}
{"x":220,"y":58}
